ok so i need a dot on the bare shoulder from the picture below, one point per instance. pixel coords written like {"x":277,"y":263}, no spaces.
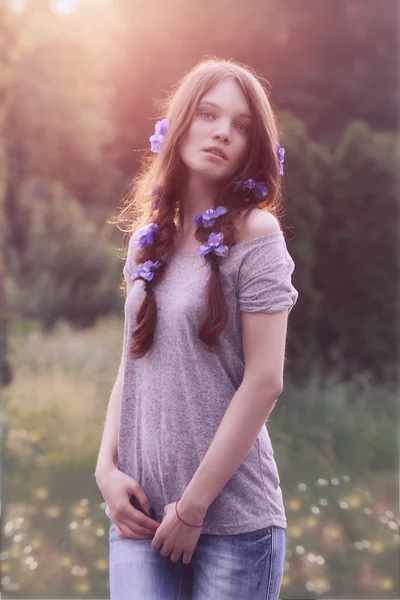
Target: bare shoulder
{"x":259,"y":223}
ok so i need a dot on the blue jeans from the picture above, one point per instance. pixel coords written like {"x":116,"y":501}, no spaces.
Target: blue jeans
{"x":247,"y":566}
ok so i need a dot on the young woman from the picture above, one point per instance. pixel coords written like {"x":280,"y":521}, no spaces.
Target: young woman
{"x":186,"y":465}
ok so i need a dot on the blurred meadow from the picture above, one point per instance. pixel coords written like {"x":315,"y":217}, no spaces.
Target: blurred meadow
{"x":79,"y":86}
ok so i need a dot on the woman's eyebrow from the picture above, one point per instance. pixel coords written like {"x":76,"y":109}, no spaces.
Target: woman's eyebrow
{"x":217,"y":106}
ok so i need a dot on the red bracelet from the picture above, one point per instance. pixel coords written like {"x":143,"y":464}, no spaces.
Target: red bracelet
{"x":176,"y":510}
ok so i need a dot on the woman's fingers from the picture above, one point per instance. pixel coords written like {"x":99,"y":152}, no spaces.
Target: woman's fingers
{"x":136,"y":524}
{"x":131,"y":522}
{"x":132,"y":530}
{"x":139,"y":518}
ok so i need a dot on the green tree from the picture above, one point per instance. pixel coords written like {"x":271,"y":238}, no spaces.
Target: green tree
{"x":68,"y":268}
{"x":357,"y":247}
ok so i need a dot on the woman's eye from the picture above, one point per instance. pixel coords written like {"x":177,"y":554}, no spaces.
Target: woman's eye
{"x":244,"y":128}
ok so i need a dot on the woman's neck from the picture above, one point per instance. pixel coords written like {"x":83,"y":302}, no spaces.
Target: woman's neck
{"x":197,"y":195}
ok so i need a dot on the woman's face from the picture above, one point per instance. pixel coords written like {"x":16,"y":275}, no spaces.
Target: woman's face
{"x":222,"y":119}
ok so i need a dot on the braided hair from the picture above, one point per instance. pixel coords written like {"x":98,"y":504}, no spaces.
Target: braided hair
{"x":216,"y":314}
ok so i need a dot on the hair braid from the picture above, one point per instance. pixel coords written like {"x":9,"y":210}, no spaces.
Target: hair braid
{"x":216,"y":313}
{"x":142,"y":336}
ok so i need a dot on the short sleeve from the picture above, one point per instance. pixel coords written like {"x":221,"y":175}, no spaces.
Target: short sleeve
{"x":130,"y":265}
{"x":265,"y":276}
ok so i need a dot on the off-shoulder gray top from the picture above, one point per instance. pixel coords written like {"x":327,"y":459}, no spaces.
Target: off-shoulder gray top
{"x":175,"y":396}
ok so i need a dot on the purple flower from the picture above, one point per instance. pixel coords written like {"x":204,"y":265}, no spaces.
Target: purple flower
{"x":148,"y":235}
{"x":207,"y":218}
{"x":146,"y":271}
{"x":281,"y":156}
{"x":158,"y":137}
{"x":259,"y":190}
{"x":214,"y":244}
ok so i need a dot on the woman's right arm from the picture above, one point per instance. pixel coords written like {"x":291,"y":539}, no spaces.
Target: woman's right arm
{"x":117,"y":487}
{"x":108,"y":454}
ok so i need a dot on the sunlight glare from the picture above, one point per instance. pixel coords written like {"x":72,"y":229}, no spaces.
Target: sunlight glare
{"x":18,"y":5}
{"x":64,"y":7}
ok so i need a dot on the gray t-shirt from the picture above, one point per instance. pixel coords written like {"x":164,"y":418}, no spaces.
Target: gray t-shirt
{"x":175,"y":396}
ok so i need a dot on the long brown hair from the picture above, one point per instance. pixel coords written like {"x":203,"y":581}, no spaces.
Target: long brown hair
{"x":166,"y":172}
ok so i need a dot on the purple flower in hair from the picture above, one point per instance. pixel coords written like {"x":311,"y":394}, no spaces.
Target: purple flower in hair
{"x":146,"y":271}
{"x":148,"y":235}
{"x":259,"y":190}
{"x":207,"y":218}
{"x":214,"y":244}
{"x":281,"y":156}
{"x":158,"y":137}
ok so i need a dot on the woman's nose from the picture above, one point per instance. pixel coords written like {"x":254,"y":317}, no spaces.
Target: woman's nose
{"x":223,"y":136}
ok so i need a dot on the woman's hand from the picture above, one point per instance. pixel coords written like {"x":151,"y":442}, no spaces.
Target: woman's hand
{"x":117,"y":488}
{"x":175,"y":537}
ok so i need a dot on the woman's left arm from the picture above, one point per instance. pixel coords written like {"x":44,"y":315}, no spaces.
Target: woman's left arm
{"x":264,"y":342}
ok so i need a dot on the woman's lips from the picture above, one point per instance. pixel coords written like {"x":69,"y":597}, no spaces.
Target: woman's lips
{"x":214,"y":155}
